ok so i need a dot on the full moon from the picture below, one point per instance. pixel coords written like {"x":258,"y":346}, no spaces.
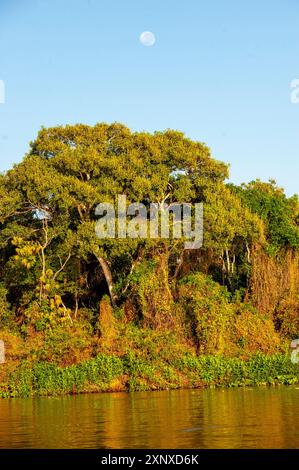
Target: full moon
{"x":147,"y":38}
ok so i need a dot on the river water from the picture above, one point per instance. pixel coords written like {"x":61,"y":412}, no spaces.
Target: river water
{"x":212,"y":418}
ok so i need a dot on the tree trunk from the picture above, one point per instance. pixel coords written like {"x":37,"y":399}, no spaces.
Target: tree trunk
{"x":108,"y":277}
{"x":179,"y":265}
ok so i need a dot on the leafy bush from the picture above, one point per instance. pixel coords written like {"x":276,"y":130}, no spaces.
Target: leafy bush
{"x":154,"y":295}
{"x":66,"y":344}
{"x":224,"y":326}
{"x":208,"y":307}
{"x":46,"y":378}
{"x":253,"y":333}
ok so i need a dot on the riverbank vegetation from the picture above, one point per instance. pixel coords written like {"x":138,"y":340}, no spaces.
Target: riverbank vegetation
{"x":82,"y":314}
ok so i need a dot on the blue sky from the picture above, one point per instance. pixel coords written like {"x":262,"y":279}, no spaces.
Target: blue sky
{"x":220,"y":71}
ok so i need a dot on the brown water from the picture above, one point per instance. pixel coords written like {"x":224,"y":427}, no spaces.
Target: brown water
{"x":222,"y":418}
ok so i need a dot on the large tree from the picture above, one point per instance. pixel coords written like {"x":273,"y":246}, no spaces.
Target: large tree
{"x":48,"y":202}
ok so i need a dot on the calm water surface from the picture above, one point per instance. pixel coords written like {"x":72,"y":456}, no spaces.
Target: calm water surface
{"x":234,"y":418}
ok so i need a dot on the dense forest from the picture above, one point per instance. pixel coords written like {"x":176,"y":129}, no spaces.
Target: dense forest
{"x":82,"y":314}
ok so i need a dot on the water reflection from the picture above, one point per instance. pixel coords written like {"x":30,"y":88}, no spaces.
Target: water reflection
{"x":237,"y":418}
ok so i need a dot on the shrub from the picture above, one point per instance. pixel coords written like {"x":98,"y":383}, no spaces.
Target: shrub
{"x":154,"y":295}
{"x":207,"y":305}
{"x":253,"y":333}
{"x":287,"y":316}
{"x":66,"y":344}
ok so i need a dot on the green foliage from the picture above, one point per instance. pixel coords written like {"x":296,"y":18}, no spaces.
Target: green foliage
{"x":54,"y":192}
{"x":207,"y":304}
{"x":188,"y":370}
{"x":65,"y":344}
{"x":154,"y":295}
{"x":148,"y":375}
{"x":151,"y":345}
{"x":5,"y":312}
{"x":252,"y":332}
{"x":45,"y":378}
{"x":221,"y":323}
{"x":258,"y":370}
{"x":166,"y":303}
{"x":279,"y":212}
